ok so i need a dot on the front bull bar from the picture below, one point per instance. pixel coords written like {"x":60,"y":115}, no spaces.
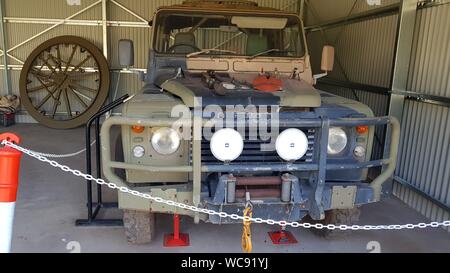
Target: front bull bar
{"x":321,"y":166}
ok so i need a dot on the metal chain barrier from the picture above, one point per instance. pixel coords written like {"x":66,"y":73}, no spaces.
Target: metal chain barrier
{"x":62,"y":155}
{"x":223,"y":214}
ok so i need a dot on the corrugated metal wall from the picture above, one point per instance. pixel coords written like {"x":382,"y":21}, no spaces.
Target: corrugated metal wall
{"x":424,"y":155}
{"x":425,"y":147}
{"x":59,"y":9}
{"x":365,"y":54}
{"x":319,"y":11}
{"x":430,"y":66}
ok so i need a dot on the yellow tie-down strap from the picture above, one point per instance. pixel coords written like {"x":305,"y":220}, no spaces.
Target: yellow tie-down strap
{"x":247,"y":232}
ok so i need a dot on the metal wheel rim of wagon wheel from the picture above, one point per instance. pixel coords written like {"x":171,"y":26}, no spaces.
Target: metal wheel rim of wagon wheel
{"x":54,"y":71}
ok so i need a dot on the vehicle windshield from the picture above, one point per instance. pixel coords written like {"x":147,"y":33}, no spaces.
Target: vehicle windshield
{"x":197,"y":34}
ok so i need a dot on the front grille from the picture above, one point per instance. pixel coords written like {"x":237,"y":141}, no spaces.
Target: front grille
{"x":253,"y":154}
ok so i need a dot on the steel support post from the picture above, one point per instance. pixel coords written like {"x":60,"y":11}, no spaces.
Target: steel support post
{"x":301,"y":9}
{"x":399,"y":83}
{"x":6,"y":75}
{"x":105,"y":28}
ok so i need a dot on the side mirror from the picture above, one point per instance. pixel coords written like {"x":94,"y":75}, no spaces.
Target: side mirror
{"x":327,"y":58}
{"x":126,"y":53}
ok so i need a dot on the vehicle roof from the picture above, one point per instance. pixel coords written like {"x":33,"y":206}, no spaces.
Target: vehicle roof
{"x":225,"y":6}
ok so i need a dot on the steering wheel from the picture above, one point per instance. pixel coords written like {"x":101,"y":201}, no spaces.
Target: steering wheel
{"x":172,"y":48}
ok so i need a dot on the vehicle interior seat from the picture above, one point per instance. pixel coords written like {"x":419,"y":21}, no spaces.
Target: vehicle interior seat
{"x":257,"y":43}
{"x":185,"y":43}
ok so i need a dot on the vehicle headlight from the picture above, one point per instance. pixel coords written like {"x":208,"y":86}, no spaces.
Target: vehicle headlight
{"x":292,"y":144}
{"x":337,"y":141}
{"x":138,"y":151}
{"x":360,"y":152}
{"x":227,"y":145}
{"x":166,"y":141}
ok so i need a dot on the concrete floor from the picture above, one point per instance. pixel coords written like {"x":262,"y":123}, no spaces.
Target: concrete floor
{"x":50,"y":201}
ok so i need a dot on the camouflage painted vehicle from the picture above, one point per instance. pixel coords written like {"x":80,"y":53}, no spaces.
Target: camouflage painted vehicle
{"x":216,"y":61}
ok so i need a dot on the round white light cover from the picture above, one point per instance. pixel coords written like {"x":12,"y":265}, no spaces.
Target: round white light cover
{"x":138,"y":151}
{"x":227,"y":145}
{"x":292,"y":144}
{"x":166,"y":141}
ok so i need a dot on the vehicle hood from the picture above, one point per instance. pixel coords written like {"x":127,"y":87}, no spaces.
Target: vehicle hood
{"x":193,"y":92}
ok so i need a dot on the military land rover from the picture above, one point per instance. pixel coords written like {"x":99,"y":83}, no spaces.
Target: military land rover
{"x":229,"y":115}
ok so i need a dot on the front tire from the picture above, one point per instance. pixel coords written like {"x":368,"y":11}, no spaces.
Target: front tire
{"x":139,"y":226}
{"x":337,"y":217}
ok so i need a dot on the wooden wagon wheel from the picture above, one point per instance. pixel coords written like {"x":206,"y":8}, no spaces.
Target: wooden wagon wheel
{"x":64,"y":82}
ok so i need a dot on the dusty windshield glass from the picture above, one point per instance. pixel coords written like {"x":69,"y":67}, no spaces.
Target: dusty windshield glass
{"x":250,"y":36}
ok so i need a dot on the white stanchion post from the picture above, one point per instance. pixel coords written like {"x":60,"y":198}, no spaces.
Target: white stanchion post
{"x":6,"y":224}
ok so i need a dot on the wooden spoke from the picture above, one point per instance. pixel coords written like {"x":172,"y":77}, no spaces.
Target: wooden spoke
{"x":79,"y":86}
{"x":66,"y":99}
{"x":81,"y":63}
{"x":69,"y":62}
{"x":56,"y":61}
{"x":81,"y":94}
{"x":41,"y":67}
{"x":58,"y":55}
{"x":80,"y":100}
{"x":41,"y":87}
{"x":39,"y":73}
{"x":51,"y":93}
{"x":47,"y":64}
{"x":75,"y":76}
{"x":39,"y":106}
{"x":56,"y":103}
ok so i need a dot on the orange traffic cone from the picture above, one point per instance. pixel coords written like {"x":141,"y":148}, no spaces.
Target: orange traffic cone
{"x":9,"y":182}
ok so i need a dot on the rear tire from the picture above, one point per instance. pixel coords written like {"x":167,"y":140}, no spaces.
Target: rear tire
{"x":347,"y":217}
{"x":139,"y":226}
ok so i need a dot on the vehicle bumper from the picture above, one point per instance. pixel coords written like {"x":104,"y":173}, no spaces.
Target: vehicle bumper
{"x":334,"y":196}
{"x":316,"y":195}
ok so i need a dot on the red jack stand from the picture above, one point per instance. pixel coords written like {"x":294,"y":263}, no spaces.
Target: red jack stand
{"x":176,"y":239}
{"x":282,"y":237}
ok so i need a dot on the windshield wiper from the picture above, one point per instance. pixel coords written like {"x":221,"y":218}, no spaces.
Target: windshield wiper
{"x":264,"y":52}
{"x":209,"y":50}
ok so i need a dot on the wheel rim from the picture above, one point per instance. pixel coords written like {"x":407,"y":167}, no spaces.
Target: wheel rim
{"x":64,"y":82}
